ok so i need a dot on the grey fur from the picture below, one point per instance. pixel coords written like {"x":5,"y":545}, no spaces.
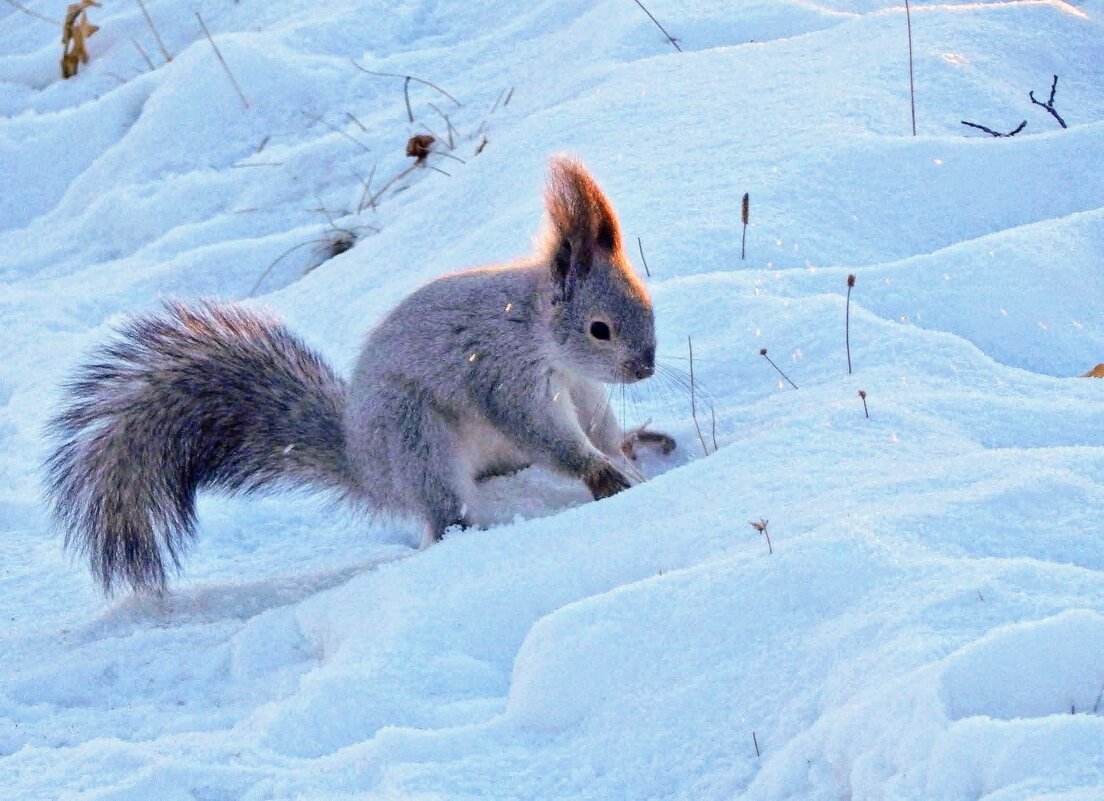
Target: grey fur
{"x":478,"y":373}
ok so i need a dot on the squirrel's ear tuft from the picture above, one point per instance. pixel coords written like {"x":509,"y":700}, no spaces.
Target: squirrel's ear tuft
{"x":584,"y":224}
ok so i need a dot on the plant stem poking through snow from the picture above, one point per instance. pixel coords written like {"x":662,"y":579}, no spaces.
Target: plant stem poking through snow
{"x":640,"y":246}
{"x":156,"y":36}
{"x":225,"y":66}
{"x":862,"y":394}
{"x":761,"y":527}
{"x":28,"y":12}
{"x":991,"y":132}
{"x":744,"y":209}
{"x":763,"y":353}
{"x":670,"y":38}
{"x":1049,"y":105}
{"x":755,"y":741}
{"x":406,"y":86}
{"x":693,"y":398}
{"x":847,"y":321}
{"x":912,"y":85}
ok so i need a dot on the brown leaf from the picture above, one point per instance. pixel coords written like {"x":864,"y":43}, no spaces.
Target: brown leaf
{"x":418,"y":146}
{"x":75,"y":30}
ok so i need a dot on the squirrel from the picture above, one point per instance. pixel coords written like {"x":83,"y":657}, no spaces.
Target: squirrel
{"x":478,"y":373}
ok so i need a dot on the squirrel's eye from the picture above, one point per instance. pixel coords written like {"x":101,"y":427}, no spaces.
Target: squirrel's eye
{"x":600,"y":330}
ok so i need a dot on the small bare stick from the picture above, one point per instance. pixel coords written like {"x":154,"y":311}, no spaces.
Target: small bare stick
{"x":225,"y":66}
{"x":1049,"y":105}
{"x":340,"y":132}
{"x":509,"y":95}
{"x":640,"y":246}
{"x":448,"y":124}
{"x":713,"y":424}
{"x":847,"y":321}
{"x":143,"y":53}
{"x":763,"y":353}
{"x":406,"y":97}
{"x":372,"y":200}
{"x":693,"y":398}
{"x":438,"y":169}
{"x":670,"y":38}
{"x":755,"y":740}
{"x":367,"y":189}
{"x":263,"y":143}
{"x":35,"y":14}
{"x":991,"y":132}
{"x":407,"y":79}
{"x":744,"y":215}
{"x":761,"y":527}
{"x":912,"y":85}
{"x":498,"y":100}
{"x":353,"y":117}
{"x":482,"y":144}
{"x":279,"y":259}
{"x":862,"y":394}
{"x":153,"y":29}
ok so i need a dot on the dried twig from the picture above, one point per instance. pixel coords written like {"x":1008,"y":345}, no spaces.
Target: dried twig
{"x":153,"y":29}
{"x":339,"y":131}
{"x":693,"y":398}
{"x":761,"y":527}
{"x":509,"y":95}
{"x":745,"y":208}
{"x":862,"y":394}
{"x":225,"y":66}
{"x":670,"y":38}
{"x":359,"y":124}
{"x":847,"y":321}
{"x":763,"y":353}
{"x":406,"y":86}
{"x":640,"y":246}
{"x":912,"y":85}
{"x":28,"y":12}
{"x":141,"y":50}
{"x":1049,"y":105}
{"x":991,"y":132}
{"x":754,"y":739}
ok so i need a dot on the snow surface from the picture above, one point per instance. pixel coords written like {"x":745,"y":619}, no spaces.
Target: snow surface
{"x":930,"y":624}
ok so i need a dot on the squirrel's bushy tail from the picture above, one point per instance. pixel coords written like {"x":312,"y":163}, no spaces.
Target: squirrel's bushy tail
{"x":195,"y":396}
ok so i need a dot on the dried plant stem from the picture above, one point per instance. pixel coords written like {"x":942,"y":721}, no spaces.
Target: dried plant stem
{"x":372,"y":200}
{"x":761,"y":527}
{"x":847,"y":321}
{"x":640,"y":246}
{"x":745,"y":208}
{"x":340,"y":132}
{"x":35,"y":14}
{"x":862,"y":394}
{"x":153,"y":29}
{"x":279,"y":259}
{"x":693,"y":398}
{"x":1049,"y":105}
{"x":912,"y":85}
{"x":406,"y":86}
{"x":142,"y":52}
{"x":670,"y":38}
{"x":991,"y":132}
{"x":755,"y":740}
{"x":225,"y":66}
{"x":763,"y":353}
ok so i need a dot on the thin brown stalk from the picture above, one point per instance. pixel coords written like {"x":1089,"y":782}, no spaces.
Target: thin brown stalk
{"x":640,"y":247}
{"x":279,"y":259}
{"x":153,"y":29}
{"x":339,"y":131}
{"x":35,"y":14}
{"x":353,"y":117}
{"x":408,"y":79}
{"x":372,"y":200}
{"x":141,"y":50}
{"x":225,"y":66}
{"x":912,"y":86}
{"x":693,"y":398}
{"x":670,"y":38}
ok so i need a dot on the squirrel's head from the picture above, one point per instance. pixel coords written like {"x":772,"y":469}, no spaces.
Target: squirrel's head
{"x":602,"y":321}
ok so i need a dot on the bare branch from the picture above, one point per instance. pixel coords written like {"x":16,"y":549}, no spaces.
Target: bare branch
{"x":991,"y":132}
{"x":1049,"y":105}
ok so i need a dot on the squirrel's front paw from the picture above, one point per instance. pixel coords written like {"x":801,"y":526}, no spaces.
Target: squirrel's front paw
{"x":665,"y":443}
{"x":605,"y":479}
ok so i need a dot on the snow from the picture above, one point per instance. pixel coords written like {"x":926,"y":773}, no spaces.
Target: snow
{"x":930,"y":624}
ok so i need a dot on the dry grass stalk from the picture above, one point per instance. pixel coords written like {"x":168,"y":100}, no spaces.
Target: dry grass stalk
{"x":763,"y":353}
{"x":862,"y":394}
{"x":761,"y":527}
{"x":745,"y":209}
{"x":912,"y":85}
{"x":670,"y":38}
{"x":165,"y":54}
{"x":142,"y":52}
{"x":644,"y":261}
{"x":225,"y":66}
{"x":75,"y":30}
{"x":847,"y":321}
{"x":694,"y":399}
{"x":406,"y":86}
{"x":29,"y":13}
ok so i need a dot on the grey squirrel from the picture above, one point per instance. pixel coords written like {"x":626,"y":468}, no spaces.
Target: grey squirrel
{"x":478,"y":373}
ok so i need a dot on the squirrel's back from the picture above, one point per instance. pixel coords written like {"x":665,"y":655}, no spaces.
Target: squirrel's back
{"x":194,"y":396}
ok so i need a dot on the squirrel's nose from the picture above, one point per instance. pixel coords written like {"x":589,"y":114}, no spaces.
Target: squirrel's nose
{"x":644,"y":366}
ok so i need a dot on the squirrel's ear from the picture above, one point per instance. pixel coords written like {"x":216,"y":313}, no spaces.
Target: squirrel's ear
{"x":583,"y":224}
